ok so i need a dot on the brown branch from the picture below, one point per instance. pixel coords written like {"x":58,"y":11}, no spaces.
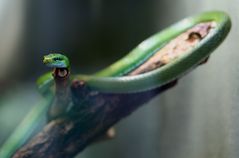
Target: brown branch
{"x":65,"y":137}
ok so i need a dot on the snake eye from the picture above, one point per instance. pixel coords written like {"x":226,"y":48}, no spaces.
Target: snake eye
{"x":62,"y":73}
{"x":55,"y":59}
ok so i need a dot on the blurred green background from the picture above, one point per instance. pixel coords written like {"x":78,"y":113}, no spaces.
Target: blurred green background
{"x":197,"y":119}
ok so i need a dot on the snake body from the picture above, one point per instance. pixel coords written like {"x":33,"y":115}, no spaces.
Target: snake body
{"x":113,"y":80}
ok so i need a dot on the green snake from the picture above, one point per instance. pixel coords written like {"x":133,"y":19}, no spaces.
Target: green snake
{"x":55,"y":85}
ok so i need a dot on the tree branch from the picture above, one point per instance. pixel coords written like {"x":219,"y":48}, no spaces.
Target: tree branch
{"x":64,"y":138}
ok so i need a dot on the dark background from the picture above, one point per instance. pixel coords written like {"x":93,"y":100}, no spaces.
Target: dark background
{"x":199,"y":118}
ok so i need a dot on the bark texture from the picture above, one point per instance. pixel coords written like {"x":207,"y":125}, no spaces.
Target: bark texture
{"x":65,"y":137}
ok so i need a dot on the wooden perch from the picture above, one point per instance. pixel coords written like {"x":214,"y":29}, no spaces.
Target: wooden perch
{"x":66,"y":137}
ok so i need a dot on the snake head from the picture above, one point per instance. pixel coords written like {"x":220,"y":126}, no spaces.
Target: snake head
{"x":56,"y":61}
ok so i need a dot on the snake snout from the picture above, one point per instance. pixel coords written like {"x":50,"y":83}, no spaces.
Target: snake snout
{"x":46,"y":60}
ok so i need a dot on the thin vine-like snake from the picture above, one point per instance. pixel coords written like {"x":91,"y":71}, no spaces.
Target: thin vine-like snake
{"x":112,"y":79}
